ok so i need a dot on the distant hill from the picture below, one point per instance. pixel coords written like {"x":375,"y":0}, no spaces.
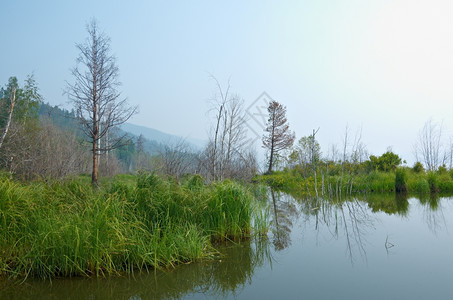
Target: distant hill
{"x":161,"y":137}
{"x":154,"y":143}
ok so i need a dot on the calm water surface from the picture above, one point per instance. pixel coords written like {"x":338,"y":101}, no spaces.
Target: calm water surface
{"x":375,"y":247}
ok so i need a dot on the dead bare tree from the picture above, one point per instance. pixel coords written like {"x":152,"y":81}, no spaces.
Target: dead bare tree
{"x":95,"y":96}
{"x":175,"y":159}
{"x":428,"y":147}
{"x":449,"y":153}
{"x":278,"y":136}
{"x":219,"y":102}
{"x":314,"y":157}
{"x":225,"y":153}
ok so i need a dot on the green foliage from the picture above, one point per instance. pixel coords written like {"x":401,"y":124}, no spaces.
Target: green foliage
{"x":71,"y":228}
{"x":444,"y":183}
{"x":195,"y":183}
{"x":418,"y":183}
{"x":401,"y":180}
{"x":126,"y":154}
{"x":418,"y":167}
{"x":27,"y":100}
{"x":61,"y":118}
{"x":307,"y":151}
{"x":442,"y":170}
{"x":388,"y":203}
{"x":375,"y":181}
{"x":433,"y":182}
{"x":388,"y":161}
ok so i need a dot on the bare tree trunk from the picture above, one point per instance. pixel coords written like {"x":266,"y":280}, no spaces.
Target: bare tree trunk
{"x":214,"y":159}
{"x":222,"y":146}
{"x":322,"y":184}
{"x":94,"y":173}
{"x":344,"y":157}
{"x":10,"y":115}
{"x":314,"y":160}
{"x":269,"y":170}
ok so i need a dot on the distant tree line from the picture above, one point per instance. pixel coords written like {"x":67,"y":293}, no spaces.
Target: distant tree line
{"x":38,"y":140}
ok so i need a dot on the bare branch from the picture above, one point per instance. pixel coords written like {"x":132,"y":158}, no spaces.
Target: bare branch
{"x":98,"y":105}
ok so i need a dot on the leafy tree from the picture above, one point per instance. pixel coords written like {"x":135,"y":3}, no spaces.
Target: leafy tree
{"x":388,"y":161}
{"x":307,"y":150}
{"x":442,"y":170}
{"x":278,"y":136}
{"x":18,"y":104}
{"x":27,"y":99}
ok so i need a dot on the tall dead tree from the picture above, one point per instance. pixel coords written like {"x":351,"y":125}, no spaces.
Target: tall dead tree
{"x":219,"y":107}
{"x":428,"y":147}
{"x":95,"y":96}
{"x":278,"y":136}
{"x":225,"y":152}
{"x":314,"y":157}
{"x":226,"y":155}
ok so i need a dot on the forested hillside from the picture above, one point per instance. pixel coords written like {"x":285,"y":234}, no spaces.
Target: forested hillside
{"x":127,"y":154}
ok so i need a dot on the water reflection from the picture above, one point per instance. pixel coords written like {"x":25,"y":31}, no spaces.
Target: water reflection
{"x":433,"y":213}
{"x":224,"y":277}
{"x":348,"y":219}
{"x":284,"y":212}
{"x":315,"y":232}
{"x":389,"y":203}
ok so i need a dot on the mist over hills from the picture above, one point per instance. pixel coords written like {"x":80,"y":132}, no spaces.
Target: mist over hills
{"x":154,"y":140}
{"x":152,"y":134}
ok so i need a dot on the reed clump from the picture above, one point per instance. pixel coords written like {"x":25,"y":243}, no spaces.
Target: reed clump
{"x":403,"y":179}
{"x":69,"y":228}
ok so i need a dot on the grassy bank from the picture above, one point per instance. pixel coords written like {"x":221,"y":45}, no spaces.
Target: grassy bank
{"x":404,"y":179}
{"x":69,"y":228}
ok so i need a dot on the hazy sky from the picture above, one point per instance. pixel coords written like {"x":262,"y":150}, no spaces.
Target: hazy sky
{"x":383,"y":66}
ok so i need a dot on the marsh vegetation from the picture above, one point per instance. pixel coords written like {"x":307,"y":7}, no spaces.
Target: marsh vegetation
{"x":69,"y":228}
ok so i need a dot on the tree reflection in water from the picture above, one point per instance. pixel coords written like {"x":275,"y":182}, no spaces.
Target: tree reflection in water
{"x":346,"y":218}
{"x":349,"y":218}
{"x":343,"y":218}
{"x":433,"y":212}
{"x":284,"y":212}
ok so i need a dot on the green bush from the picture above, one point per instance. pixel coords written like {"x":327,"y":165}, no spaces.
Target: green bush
{"x":400,"y":180}
{"x":418,"y":184}
{"x":442,"y":170}
{"x":445,"y":183}
{"x":433,"y":182}
{"x":418,"y":167}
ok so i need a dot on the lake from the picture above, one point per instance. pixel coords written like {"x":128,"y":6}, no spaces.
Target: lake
{"x":365,"y":247}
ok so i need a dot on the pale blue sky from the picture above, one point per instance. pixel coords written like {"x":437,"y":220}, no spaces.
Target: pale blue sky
{"x":385,"y":66}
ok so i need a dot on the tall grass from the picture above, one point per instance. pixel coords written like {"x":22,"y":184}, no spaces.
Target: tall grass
{"x":403,"y":179}
{"x":69,"y":228}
